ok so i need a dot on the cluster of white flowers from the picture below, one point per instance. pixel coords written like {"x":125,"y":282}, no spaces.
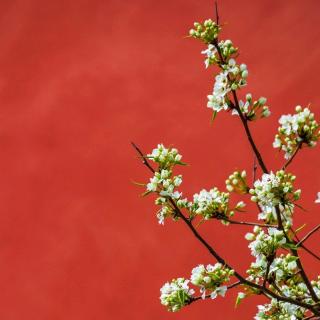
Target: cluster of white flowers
{"x":269,"y":214}
{"x":275,"y":190}
{"x":276,"y":310}
{"x":296,"y":130}
{"x":237,"y":182}
{"x":226,"y":49}
{"x":209,"y":204}
{"x":282,"y":268}
{"x":164,"y":182}
{"x":265,"y":244}
{"x":211,"y":278}
{"x":165,"y":157}
{"x":232,"y":77}
{"x":176,"y":294}
{"x":253,"y":110}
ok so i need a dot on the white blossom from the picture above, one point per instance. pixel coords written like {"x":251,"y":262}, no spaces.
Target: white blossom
{"x":318,"y":198}
{"x":296,"y":130}
{"x":176,"y":294}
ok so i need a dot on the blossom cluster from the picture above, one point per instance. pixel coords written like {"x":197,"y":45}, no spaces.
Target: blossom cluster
{"x":164,"y":183}
{"x":253,"y":110}
{"x":237,"y":182}
{"x":165,"y":157}
{"x":214,"y":204}
{"x":207,"y":31}
{"x":176,"y":294}
{"x":276,"y":310}
{"x":232,"y":77}
{"x":275,"y":190}
{"x":265,"y":245}
{"x":210,"y":278}
{"x":296,"y":130}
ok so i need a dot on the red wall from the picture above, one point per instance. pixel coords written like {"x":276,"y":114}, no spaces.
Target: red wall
{"x":81,"y":79}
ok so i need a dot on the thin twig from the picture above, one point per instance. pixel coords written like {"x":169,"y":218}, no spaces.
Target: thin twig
{"x":309,"y":234}
{"x":303,"y":246}
{"x":293,"y":156}
{"x":254,"y":169}
{"x":144,"y":160}
{"x":295,"y":253}
{"x":245,"y":223}
{"x":217,"y":13}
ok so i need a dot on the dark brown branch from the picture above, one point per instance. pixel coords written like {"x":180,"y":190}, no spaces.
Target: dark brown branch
{"x":267,"y":272}
{"x":254,"y":170}
{"x":217,"y":13}
{"x":295,"y":253}
{"x":144,"y":160}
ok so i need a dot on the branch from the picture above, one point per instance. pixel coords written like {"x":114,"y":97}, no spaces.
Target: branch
{"x":144,"y":160}
{"x":242,"y":280}
{"x":303,"y":246}
{"x":217,"y":13}
{"x":308,"y":235}
{"x":254,"y":170}
{"x":245,"y":223}
{"x":243,"y":119}
{"x":299,"y":146}
{"x":295,"y":253}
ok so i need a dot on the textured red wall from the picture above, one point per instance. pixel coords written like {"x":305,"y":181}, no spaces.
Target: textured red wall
{"x":78,"y":81}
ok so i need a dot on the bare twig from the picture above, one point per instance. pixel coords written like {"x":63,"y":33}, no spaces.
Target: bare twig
{"x":144,"y":160}
{"x":308,"y":235}
{"x":245,"y":223}
{"x":217,"y":13}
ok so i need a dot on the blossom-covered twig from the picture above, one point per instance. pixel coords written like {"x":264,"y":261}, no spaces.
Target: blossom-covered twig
{"x":265,"y":291}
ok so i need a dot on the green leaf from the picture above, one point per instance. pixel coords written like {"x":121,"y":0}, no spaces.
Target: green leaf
{"x":181,"y":163}
{"x":213,"y":117}
{"x":290,"y":246}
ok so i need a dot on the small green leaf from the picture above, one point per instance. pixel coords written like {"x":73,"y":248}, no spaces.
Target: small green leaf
{"x":213,"y":117}
{"x":181,"y":163}
{"x":290,"y":246}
